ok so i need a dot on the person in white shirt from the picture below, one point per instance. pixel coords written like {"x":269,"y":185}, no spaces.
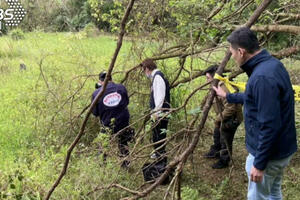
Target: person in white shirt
{"x":159,"y":104}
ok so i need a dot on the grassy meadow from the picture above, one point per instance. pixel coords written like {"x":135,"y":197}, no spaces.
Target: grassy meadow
{"x":39,"y":118}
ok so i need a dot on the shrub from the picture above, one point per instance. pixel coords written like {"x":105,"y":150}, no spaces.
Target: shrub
{"x":189,"y":193}
{"x":90,"y":30}
{"x":17,"y":34}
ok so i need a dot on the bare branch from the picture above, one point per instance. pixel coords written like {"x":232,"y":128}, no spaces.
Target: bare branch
{"x":216,"y":11}
{"x":286,"y":52}
{"x":290,"y":15}
{"x":238,"y":11}
{"x":188,"y":79}
{"x":74,"y":143}
{"x":181,"y":62}
{"x":277,"y":28}
{"x":183,"y":157}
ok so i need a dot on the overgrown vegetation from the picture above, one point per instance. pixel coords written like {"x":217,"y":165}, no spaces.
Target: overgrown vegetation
{"x":42,"y":106}
{"x":38,"y":121}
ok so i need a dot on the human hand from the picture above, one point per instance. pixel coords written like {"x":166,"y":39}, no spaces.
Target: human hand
{"x":154,"y":117}
{"x":256,"y":175}
{"x":220,"y":92}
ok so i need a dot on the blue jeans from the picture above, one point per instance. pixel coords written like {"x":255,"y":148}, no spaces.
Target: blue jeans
{"x":270,"y":187}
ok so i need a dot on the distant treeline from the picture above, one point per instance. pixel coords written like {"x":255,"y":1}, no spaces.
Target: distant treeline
{"x":60,"y":15}
{"x":74,"y":15}
{"x":201,"y":21}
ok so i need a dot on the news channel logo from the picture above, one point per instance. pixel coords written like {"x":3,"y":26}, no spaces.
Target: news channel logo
{"x":13,"y":15}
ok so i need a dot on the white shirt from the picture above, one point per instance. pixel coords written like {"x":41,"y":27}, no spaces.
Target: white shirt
{"x":159,"y":91}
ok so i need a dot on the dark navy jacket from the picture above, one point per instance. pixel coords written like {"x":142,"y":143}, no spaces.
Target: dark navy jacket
{"x":113,"y":104}
{"x":166,"y":103}
{"x":269,"y":110}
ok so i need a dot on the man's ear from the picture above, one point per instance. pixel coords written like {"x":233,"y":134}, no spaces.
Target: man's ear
{"x":242,"y":52}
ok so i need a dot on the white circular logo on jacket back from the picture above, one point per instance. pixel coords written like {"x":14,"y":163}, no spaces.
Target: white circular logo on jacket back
{"x":112,"y":99}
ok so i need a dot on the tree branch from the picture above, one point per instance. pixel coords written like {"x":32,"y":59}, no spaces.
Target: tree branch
{"x":80,"y":134}
{"x":187,"y":79}
{"x":277,"y":28}
{"x":192,"y":145}
{"x":291,"y":16}
{"x":286,"y":52}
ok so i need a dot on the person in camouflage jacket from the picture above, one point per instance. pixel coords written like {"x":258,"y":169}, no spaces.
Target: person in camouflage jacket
{"x":229,"y":117}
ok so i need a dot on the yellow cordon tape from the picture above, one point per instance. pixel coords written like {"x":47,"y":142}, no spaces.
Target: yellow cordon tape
{"x":242,"y":86}
{"x":296,"y":89}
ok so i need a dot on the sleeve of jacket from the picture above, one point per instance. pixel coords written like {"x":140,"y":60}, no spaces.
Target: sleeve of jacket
{"x":95,"y":110}
{"x":237,"y":98}
{"x":125,"y":96}
{"x":266,"y":94}
{"x":229,"y":108}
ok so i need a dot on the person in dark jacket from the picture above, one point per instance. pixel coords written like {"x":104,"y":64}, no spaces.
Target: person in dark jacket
{"x":159,"y":104}
{"x":269,"y":114}
{"x":112,"y":110}
{"x":229,"y":117}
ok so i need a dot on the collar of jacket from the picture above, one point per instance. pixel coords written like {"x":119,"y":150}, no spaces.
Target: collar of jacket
{"x":250,"y":64}
{"x":153,"y":72}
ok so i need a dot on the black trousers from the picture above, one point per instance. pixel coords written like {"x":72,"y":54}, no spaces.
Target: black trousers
{"x":122,"y":139}
{"x":158,"y":134}
{"x":123,"y":145}
{"x":223,"y":138}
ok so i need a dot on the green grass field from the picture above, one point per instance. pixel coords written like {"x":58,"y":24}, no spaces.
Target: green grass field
{"x":63,"y":57}
{"x":35,"y":103}
{"x":38,"y":121}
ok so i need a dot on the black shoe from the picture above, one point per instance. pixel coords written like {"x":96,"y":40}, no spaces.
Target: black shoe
{"x":157,"y":155}
{"x":154,"y":156}
{"x":220,"y":164}
{"x":213,"y":153}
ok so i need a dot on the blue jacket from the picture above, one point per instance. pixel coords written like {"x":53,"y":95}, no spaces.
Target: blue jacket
{"x":113,"y":104}
{"x":269,"y":110}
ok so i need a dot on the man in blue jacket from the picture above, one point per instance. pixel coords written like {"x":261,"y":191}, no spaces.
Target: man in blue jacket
{"x":112,"y":111}
{"x":269,"y":115}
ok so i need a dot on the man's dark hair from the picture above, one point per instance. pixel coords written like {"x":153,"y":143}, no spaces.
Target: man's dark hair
{"x":244,"y":38}
{"x":211,"y":70}
{"x":102,"y":76}
{"x":149,"y":64}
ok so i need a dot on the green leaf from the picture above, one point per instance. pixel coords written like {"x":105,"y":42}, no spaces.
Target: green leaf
{"x":195,"y":111}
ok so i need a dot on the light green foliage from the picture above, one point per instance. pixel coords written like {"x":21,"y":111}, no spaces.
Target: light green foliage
{"x":107,"y":13}
{"x":103,"y":140}
{"x":91,"y":30}
{"x":36,"y":109}
{"x":220,"y":192}
{"x":17,"y":34}
{"x":69,"y":15}
{"x":189,"y":194}
{"x":40,"y":106}
{"x":9,"y":49}
{"x":195,"y":111}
